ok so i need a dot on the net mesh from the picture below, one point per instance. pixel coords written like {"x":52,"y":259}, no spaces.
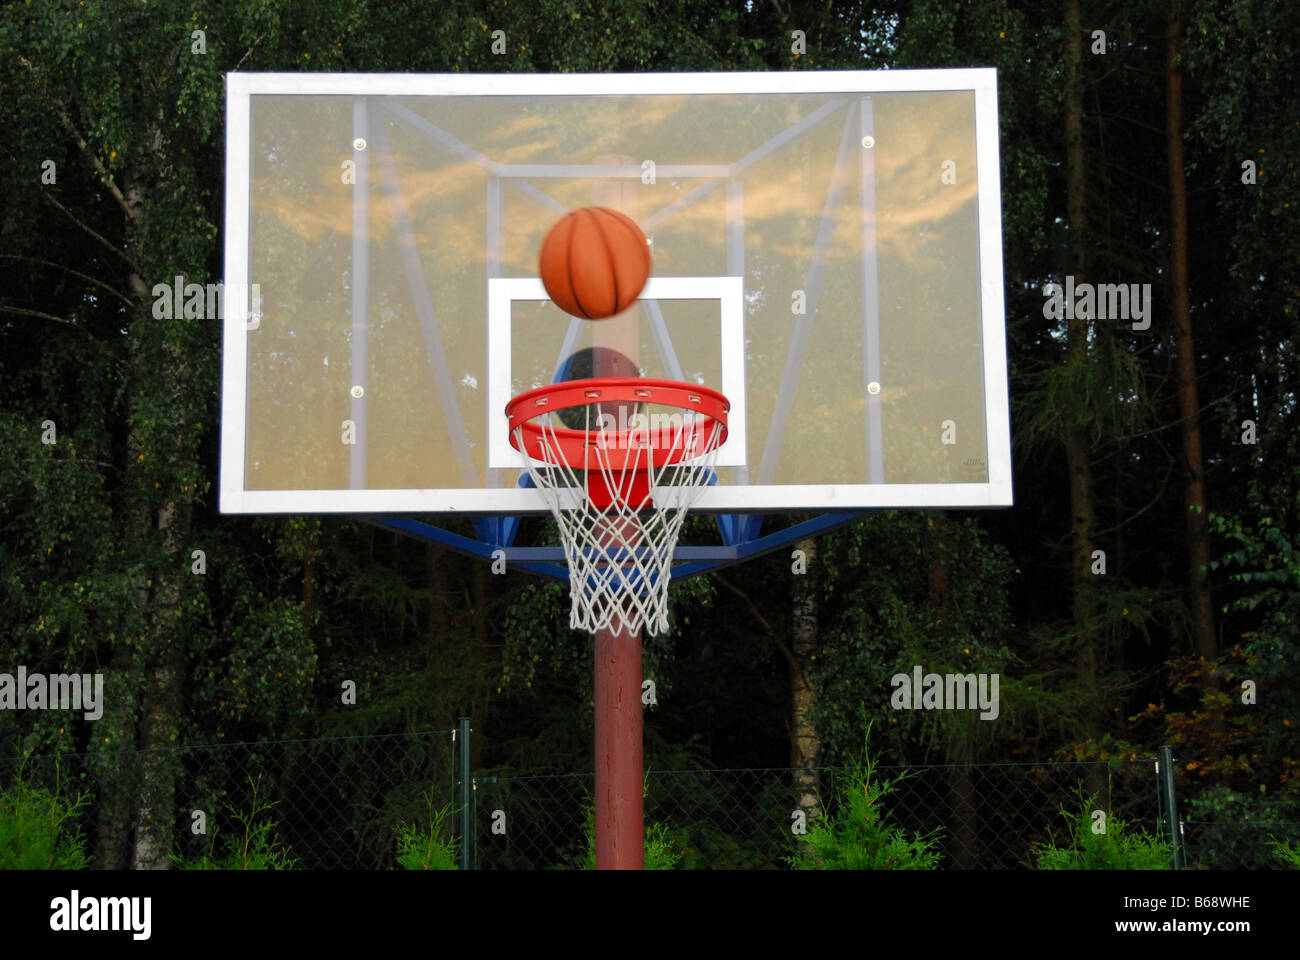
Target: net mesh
{"x":620,"y":511}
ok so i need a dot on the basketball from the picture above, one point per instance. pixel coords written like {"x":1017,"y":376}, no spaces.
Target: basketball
{"x":594,"y":262}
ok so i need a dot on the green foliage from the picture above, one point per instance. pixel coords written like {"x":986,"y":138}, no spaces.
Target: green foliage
{"x":857,"y":834}
{"x":424,"y":846}
{"x":719,"y":824}
{"x":268,"y":664}
{"x":1268,"y":558}
{"x":704,"y":846}
{"x":1242,"y":51}
{"x":1229,"y":829}
{"x":1240,"y":765}
{"x":254,"y":847}
{"x":879,"y":615}
{"x":36,"y":831}
{"x":1287,"y":854}
{"x":1263,"y":563}
{"x":1120,"y":847}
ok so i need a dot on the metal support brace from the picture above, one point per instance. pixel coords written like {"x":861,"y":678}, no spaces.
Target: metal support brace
{"x":550,"y":562}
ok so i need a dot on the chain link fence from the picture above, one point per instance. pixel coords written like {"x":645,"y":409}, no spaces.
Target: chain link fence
{"x":1238,"y":844}
{"x":988,"y":816}
{"x":338,"y":803}
{"x":335,"y":803}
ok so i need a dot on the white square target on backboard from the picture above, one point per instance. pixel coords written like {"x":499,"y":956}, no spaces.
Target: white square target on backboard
{"x":659,"y":296}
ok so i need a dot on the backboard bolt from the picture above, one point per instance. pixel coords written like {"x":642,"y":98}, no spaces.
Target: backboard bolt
{"x":868,"y":142}
{"x":358,"y":392}
{"x":873,"y":388}
{"x":359,"y":143}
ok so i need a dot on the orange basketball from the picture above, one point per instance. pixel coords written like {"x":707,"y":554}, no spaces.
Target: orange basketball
{"x":595,"y":262}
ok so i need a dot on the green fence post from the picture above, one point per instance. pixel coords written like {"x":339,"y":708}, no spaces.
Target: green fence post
{"x":466,"y":809}
{"x":1169,"y":801}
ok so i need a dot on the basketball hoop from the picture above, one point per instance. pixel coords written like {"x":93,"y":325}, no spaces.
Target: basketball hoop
{"x":620,"y":487}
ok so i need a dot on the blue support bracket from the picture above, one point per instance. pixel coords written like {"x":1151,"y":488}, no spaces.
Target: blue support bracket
{"x":737,"y":528}
{"x":688,"y":561}
{"x":500,"y":530}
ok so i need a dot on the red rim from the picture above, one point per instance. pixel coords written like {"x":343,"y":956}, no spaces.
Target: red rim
{"x":574,"y":444}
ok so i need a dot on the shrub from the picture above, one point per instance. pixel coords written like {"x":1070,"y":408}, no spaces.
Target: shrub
{"x":1119,"y":847}
{"x":36,"y":831}
{"x":858,"y":834}
{"x":423,"y":847}
{"x":255,"y":847}
{"x":1287,"y":854}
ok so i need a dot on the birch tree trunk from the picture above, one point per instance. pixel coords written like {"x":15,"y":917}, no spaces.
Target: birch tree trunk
{"x":158,"y":371}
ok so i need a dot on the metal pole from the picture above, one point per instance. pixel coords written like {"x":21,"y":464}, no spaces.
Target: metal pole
{"x":466,"y":798}
{"x":1169,"y":799}
{"x":620,"y":828}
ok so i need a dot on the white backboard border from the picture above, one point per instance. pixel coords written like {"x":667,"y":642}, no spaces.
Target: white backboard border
{"x":241,"y":87}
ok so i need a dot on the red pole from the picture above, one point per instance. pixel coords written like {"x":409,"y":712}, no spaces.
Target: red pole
{"x":620,"y":829}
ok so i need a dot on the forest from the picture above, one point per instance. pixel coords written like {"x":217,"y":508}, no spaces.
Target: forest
{"x":1143,"y":592}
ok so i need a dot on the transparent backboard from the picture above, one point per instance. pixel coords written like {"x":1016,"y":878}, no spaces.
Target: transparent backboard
{"x":826,"y":252}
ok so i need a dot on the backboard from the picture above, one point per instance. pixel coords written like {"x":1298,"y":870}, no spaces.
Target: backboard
{"x":826,"y":252}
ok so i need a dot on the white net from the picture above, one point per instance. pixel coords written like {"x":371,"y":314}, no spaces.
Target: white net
{"x":620,"y":554}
